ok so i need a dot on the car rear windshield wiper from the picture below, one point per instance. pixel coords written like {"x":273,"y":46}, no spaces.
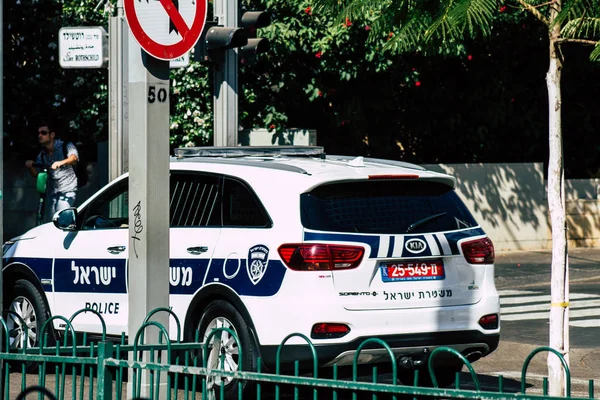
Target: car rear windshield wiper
{"x":422,"y":221}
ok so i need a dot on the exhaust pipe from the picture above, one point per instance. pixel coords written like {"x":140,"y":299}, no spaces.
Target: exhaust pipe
{"x":474,"y":356}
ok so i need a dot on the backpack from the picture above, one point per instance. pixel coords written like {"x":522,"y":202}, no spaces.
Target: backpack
{"x":80,"y":168}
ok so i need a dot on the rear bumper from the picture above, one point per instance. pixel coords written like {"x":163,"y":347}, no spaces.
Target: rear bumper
{"x":471,"y":344}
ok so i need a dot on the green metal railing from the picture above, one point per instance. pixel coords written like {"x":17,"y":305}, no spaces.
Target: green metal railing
{"x":175,"y":370}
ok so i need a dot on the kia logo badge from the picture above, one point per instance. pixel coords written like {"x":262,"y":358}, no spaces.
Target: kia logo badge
{"x":415,"y":246}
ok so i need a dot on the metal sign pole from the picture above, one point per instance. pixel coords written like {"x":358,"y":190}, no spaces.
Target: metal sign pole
{"x":117,"y":142}
{"x":225,"y":98}
{"x":1,"y":144}
{"x":148,"y":195}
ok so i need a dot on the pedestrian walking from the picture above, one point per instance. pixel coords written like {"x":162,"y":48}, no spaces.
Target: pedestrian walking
{"x":59,"y":158}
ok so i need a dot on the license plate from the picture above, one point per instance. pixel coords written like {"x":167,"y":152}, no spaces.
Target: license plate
{"x":426,"y":270}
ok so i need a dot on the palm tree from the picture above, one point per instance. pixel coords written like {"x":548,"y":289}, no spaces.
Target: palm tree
{"x":440,"y":25}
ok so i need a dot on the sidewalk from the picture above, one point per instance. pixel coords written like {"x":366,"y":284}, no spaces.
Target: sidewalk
{"x":509,"y":358}
{"x":522,"y":269}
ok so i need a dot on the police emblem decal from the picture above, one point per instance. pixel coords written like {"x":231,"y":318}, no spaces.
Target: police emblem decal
{"x":258,"y":258}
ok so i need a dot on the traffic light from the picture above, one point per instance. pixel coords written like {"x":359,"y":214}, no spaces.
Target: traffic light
{"x":251,"y":21}
{"x":216,"y":39}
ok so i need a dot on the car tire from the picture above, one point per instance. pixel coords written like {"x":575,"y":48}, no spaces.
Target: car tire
{"x":217,"y":314}
{"x":24,"y":299}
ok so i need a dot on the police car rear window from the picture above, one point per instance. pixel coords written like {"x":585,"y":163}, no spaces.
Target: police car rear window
{"x":393,"y":207}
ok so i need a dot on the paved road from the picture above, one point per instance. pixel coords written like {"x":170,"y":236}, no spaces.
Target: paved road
{"x":523,"y":280}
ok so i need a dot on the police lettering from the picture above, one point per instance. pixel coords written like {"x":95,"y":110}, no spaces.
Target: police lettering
{"x":104,"y":308}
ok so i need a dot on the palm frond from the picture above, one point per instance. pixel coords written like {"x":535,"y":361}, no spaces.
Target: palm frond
{"x":576,"y":9}
{"x":353,"y":9}
{"x":582,"y":28}
{"x":475,"y":16}
{"x":410,"y":35}
{"x":595,"y":55}
{"x":460,"y":17}
{"x":443,"y":27}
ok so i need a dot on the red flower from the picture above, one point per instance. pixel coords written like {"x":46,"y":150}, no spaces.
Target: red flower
{"x":348,"y":22}
{"x":308,"y":10}
{"x":502,"y":9}
{"x":367,"y":28}
{"x":272,"y":126}
{"x":319,"y":54}
{"x":391,"y":35}
{"x":418,"y":83}
{"x":320,"y":94}
{"x":469,"y":57}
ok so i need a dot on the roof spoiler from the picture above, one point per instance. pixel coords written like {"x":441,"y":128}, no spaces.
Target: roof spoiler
{"x":250,"y":151}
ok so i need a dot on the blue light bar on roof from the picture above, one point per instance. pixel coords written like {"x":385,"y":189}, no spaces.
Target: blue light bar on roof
{"x":249,"y":151}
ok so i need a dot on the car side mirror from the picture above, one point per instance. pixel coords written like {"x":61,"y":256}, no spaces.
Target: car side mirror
{"x":65,"y":219}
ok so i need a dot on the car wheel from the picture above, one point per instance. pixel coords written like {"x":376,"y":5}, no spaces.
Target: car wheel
{"x":25,"y":301}
{"x":223,"y":350}
{"x":445,"y":376}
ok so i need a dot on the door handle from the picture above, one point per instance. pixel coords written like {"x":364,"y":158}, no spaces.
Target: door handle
{"x":116,"y":249}
{"x":197,"y":250}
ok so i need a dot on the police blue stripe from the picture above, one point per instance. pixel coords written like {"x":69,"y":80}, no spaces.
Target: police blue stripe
{"x":186,"y":276}
{"x":42,"y":267}
{"x":391,"y":247}
{"x":439,"y":245}
{"x":90,"y":275}
{"x":238,"y":277}
{"x":455,"y":237}
{"x":374,"y":241}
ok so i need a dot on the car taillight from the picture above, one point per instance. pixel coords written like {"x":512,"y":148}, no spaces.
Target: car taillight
{"x":480,"y":251}
{"x":319,"y":257}
{"x":329,"y":331}
{"x":489,"y":321}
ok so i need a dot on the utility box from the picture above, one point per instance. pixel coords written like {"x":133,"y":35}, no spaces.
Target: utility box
{"x":289,"y":137}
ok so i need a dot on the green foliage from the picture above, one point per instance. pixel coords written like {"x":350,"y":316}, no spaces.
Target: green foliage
{"x":310,"y":56}
{"x":36,"y":88}
{"x":191,"y":106}
{"x":373,"y":81}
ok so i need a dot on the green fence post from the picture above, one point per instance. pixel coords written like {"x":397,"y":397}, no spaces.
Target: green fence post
{"x":105,"y":379}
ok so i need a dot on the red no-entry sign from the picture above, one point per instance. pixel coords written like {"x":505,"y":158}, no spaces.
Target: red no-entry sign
{"x":166,"y":29}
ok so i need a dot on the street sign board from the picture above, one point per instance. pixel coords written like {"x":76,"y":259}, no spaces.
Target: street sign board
{"x":180,"y":62}
{"x":166,"y":29}
{"x":82,"y":47}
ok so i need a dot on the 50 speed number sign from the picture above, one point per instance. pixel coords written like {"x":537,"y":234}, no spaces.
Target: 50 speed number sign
{"x":166,"y":29}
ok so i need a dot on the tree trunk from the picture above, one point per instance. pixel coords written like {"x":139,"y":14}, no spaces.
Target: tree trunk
{"x":559,"y":317}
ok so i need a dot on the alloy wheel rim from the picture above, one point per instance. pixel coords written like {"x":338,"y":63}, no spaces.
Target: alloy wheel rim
{"x":223,"y":350}
{"x":22,"y":324}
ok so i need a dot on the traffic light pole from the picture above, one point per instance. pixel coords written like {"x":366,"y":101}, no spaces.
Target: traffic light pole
{"x":225,"y":96}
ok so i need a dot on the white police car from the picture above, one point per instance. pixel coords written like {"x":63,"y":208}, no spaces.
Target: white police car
{"x":272,"y":241}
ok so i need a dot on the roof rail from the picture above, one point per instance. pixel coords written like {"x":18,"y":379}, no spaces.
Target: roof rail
{"x":253,"y":151}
